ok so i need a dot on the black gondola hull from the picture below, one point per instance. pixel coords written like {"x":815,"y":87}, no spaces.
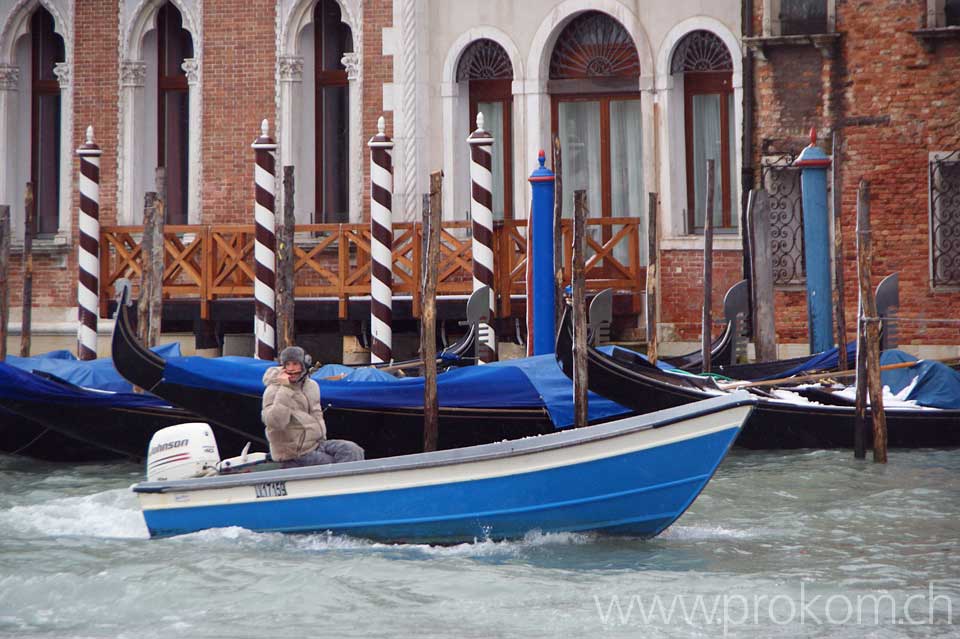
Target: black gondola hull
{"x":773,"y":424}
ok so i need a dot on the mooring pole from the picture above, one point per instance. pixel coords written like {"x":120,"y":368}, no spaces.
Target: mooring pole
{"x":813,"y":163}
{"x":88,"y":250}
{"x":838,"y":253}
{"x":432,"y":214}
{"x":155,"y":307}
{"x":285,"y":260}
{"x":481,"y":213}
{"x":707,"y":335}
{"x":381,"y":245}
{"x":265,"y":246}
{"x":147,"y":267}
{"x":761,"y":278}
{"x":653,"y":253}
{"x":541,"y":305}
{"x":579,"y":310}
{"x":558,"y":301}
{"x":30,"y":221}
{"x":4,"y":278}
{"x":870,"y":323}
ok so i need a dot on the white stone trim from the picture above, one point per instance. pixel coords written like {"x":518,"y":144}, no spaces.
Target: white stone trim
{"x":15,"y":23}
{"x":771,"y":16}
{"x":411,"y":114}
{"x":455,"y":151}
{"x":293,"y":16}
{"x":536,"y":114}
{"x":673,"y":180}
{"x":137,"y":18}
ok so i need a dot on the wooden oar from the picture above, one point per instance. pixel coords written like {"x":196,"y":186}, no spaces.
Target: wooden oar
{"x":811,"y":377}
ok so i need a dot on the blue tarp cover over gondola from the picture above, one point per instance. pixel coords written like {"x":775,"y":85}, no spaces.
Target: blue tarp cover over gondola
{"x":98,"y":373}
{"x":534,"y":382}
{"x":937,"y":385}
{"x":23,"y":386}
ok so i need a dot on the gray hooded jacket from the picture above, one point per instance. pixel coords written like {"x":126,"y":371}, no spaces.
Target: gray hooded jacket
{"x":292,"y":414}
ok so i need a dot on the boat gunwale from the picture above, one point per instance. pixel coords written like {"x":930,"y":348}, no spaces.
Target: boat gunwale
{"x":496,"y":450}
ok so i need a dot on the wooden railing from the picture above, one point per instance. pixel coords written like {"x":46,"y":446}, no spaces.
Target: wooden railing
{"x":211,"y":262}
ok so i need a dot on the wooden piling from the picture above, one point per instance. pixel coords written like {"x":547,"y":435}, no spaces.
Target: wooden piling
{"x":147,"y":267}
{"x":4,"y":278}
{"x":838,"y":253}
{"x":285,"y":261}
{"x":579,"y":310}
{"x":558,"y":296}
{"x":653,"y":253}
{"x":29,"y":226}
{"x":157,"y":257}
{"x":432,"y":215}
{"x":761,"y":277}
{"x":707,"y":335}
{"x":870,"y":323}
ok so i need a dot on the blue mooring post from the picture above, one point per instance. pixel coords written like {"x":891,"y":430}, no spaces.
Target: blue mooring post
{"x":540,"y":284}
{"x":813,"y":163}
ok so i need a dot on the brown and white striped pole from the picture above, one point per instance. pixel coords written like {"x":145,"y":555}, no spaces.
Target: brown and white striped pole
{"x":481,"y":211}
{"x":381,"y":245}
{"x":88,"y":264}
{"x":265,"y":247}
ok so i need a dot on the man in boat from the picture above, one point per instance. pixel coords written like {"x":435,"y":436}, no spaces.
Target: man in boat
{"x":294,"y":418}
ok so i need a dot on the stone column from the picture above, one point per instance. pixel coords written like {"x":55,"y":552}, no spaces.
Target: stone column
{"x":133,"y":74}
{"x":355,"y":158}
{"x":192,"y":68}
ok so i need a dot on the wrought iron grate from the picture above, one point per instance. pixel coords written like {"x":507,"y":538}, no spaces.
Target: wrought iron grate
{"x":782,"y":183}
{"x":945,"y":219}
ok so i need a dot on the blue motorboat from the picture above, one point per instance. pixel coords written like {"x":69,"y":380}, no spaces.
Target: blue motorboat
{"x":634,"y":476}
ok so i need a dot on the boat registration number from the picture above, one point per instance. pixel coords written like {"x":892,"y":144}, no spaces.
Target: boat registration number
{"x":271,"y":489}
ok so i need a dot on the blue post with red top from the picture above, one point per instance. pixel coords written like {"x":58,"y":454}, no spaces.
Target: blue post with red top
{"x":541,"y":328}
{"x":813,"y":163}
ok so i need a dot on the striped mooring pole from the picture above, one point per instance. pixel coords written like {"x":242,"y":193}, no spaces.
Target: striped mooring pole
{"x":481,"y":211}
{"x":88,"y":264}
{"x":265,"y":247}
{"x":381,"y":245}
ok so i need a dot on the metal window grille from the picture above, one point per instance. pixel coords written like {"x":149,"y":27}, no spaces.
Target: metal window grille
{"x":781,"y":180}
{"x":945,"y":219}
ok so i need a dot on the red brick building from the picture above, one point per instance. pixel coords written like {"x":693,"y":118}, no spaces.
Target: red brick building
{"x":184,"y":84}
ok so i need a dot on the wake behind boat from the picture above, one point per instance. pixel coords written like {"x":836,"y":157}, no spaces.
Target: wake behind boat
{"x":633,"y":476}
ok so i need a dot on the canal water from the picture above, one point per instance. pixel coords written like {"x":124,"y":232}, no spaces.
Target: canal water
{"x":781,"y":544}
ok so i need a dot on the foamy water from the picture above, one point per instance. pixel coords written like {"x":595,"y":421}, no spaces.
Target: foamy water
{"x":775,"y":546}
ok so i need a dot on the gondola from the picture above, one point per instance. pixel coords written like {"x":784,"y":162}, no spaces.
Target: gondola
{"x":48,"y":418}
{"x":723,"y":349}
{"x":382,"y":428}
{"x":774,"y":423}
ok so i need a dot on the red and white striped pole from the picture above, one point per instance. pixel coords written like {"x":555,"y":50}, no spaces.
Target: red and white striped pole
{"x":481,"y":211}
{"x":381,"y":245}
{"x":88,"y":264}
{"x":265,"y":247}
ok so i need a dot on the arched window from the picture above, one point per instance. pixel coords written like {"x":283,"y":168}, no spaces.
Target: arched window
{"x":486,"y":67}
{"x":173,"y":110}
{"x":707,"y":70}
{"x":332,"y":38}
{"x":46,"y":51}
{"x":594,"y":84}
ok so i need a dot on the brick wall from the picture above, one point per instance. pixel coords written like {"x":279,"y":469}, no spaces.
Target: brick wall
{"x":239,"y":59}
{"x":681,"y":289}
{"x":377,"y":70}
{"x":893,"y":103}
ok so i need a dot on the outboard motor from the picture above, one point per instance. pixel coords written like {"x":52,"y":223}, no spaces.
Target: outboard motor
{"x":181,"y":452}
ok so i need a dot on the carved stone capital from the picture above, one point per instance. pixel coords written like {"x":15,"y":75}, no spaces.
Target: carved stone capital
{"x":9,"y":77}
{"x":133,"y":73}
{"x":352,"y":63}
{"x":191,"y":66}
{"x":291,"y":68}
{"x":62,"y":71}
